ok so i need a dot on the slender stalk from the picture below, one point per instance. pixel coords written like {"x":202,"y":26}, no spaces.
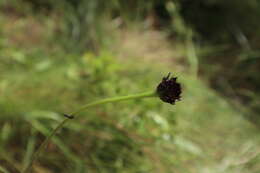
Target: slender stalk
{"x":75,"y":114}
{"x":114,"y":99}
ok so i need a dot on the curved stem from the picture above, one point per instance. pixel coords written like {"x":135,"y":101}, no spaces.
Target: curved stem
{"x":74,"y":114}
{"x":114,"y":99}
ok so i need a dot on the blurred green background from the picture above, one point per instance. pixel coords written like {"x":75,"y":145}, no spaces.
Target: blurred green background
{"x":56,"y":56}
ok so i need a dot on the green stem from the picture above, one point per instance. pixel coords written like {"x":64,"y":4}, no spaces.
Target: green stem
{"x":113,"y":99}
{"x":74,"y":114}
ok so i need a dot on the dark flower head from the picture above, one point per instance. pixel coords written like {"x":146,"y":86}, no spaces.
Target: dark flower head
{"x":169,"y":90}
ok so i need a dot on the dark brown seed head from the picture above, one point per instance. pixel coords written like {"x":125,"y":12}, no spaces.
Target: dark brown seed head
{"x":169,"y":90}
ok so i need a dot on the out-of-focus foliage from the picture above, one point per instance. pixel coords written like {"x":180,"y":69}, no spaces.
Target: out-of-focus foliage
{"x":233,"y":25}
{"x":58,"y":55}
{"x":222,"y":20}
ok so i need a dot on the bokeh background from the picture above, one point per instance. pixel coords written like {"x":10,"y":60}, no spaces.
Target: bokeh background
{"x":56,"y":56}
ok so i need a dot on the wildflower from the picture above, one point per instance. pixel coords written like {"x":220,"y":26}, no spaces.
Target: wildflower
{"x":169,"y":90}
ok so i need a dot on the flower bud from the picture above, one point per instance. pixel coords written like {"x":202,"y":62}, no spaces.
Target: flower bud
{"x":169,"y":90}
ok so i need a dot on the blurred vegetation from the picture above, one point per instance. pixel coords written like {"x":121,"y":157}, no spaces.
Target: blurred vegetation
{"x":58,"y":55}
